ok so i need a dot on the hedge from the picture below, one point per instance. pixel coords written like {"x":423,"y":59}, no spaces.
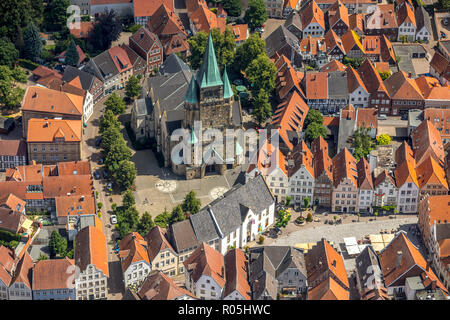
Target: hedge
{"x":28,"y":64}
{"x":8,"y":236}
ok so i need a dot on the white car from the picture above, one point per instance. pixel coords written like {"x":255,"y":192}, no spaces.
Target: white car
{"x":113,"y":219}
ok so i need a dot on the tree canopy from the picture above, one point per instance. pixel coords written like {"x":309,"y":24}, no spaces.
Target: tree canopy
{"x":32,"y":43}
{"x":125,"y":174}
{"x":383,"y":139}
{"x":315,"y":130}
{"x":191,"y":203}
{"x":10,"y":94}
{"x":145,"y":224}
{"x":115,"y":103}
{"x":249,"y":50}
{"x":133,"y":88}
{"x":106,"y":30}
{"x":313,"y":116}
{"x":55,"y":15}
{"x":8,"y":52}
{"x":57,"y":244}
{"x":362,"y":143}
{"x":108,"y":119}
{"x":233,"y":7}
{"x":256,"y":14}
{"x":261,"y":73}
{"x":262,"y":110}
{"x":72,"y":55}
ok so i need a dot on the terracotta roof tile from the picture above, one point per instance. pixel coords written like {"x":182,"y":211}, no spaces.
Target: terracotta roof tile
{"x":371,"y":78}
{"x":165,"y":22}
{"x":367,"y":118}
{"x":382,"y":177}
{"x":269,"y":158}
{"x":439,"y":63}
{"x":12,"y":202}
{"x":356,"y":21}
{"x":83,"y":31}
{"x":205,"y":20}
{"x":136,"y":248}
{"x":236,"y":267}
{"x":328,"y":290}
{"x":52,"y":101}
{"x":400,"y":86}
{"x":287,"y":78}
{"x":301,"y":157}
{"x":406,"y":14}
{"x":290,"y":116}
{"x":13,"y":148}
{"x":426,"y":140}
{"x":440,"y":118}
{"x":156,"y":242}
{"x":338,"y":13}
{"x":41,"y":130}
{"x":52,"y":274}
{"x":23,"y":272}
{"x":365,"y":180}
{"x":354,"y":81}
{"x":91,"y":248}
{"x":206,"y":261}
{"x":312,"y":46}
{"x":158,"y":286}
{"x":351,"y":40}
{"x":316,"y":85}
{"x":383,"y":17}
{"x":405,"y":173}
{"x":430,"y":172}
{"x":74,"y":205}
{"x":312,"y":13}
{"x":432,"y":90}
{"x":81,"y":55}
{"x":240,"y":32}
{"x":334,"y":65}
{"x":344,"y":166}
{"x":120,"y":58}
{"x":145,"y":8}
{"x":332,"y":40}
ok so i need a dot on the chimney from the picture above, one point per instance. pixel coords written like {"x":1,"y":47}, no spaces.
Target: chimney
{"x":398,"y":259}
{"x":428,"y":265}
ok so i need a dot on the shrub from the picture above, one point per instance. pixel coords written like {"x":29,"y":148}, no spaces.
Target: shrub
{"x":261,"y":239}
{"x":99,"y":214}
{"x":288,"y":200}
{"x":28,"y":64}
{"x":99,"y":205}
{"x":309,"y":217}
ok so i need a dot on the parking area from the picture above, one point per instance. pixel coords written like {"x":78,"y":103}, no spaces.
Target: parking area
{"x":440,"y":18}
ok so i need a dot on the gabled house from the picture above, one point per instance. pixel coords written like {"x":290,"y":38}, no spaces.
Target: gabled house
{"x":440,"y":118}
{"x":161,"y":254}
{"x":123,"y":64}
{"x":143,"y":10}
{"x":334,"y":65}
{"x":313,"y":51}
{"x":365,"y":186}
{"x":277,"y":271}
{"x":431,"y":178}
{"x":167,"y":25}
{"x":406,"y":23}
{"x":236,"y":275}
{"x":345,"y":185}
{"x":8,"y":263}
{"x":352,"y":45}
{"x":356,"y":23}
{"x":134,"y":259}
{"x":284,"y":42}
{"x":89,"y":82}
{"x":148,"y":46}
{"x":92,"y":260}
{"x":440,"y":67}
{"x":322,"y":173}
{"x":378,"y":94}
{"x":358,"y":94}
{"x":203,"y":19}
{"x":338,"y":19}
{"x":20,"y":287}
{"x":369,"y":277}
{"x":236,"y":218}
{"x":385,"y":190}
{"x":400,"y":260}
{"x":81,"y":56}
{"x":294,"y":24}
{"x":335,"y":47}
{"x":158,"y":286}
{"x":423,"y":24}
{"x":11,"y":220}
{"x":404,"y":93}
{"x":183,"y":239}
{"x":287,"y":79}
{"x":406,"y":180}
{"x":435,"y":95}
{"x":205,"y":273}
{"x":84,"y":31}
{"x":427,"y":141}
{"x":313,"y":20}
{"x":387,"y":53}
{"x":52,"y":280}
{"x":103,"y":67}
{"x":323,"y":264}
{"x":288,"y":118}
{"x":138,"y":64}
{"x":241,"y":33}
{"x":301,"y":174}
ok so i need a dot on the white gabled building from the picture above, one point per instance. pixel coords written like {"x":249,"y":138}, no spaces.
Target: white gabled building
{"x":313,"y":20}
{"x":423,"y":24}
{"x":238,"y":217}
{"x":406,"y":179}
{"x":385,"y":190}
{"x":134,"y":259}
{"x":236,"y":274}
{"x":358,"y":95}
{"x":406,"y":23}
{"x":365,"y":186}
{"x":301,"y":174}
{"x":205,"y":273}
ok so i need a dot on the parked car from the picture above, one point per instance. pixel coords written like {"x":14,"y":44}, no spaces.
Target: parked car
{"x":109,"y":185}
{"x":100,"y":161}
{"x":105,"y":173}
{"x":98,"y":141}
{"x":96,"y":175}
{"x":443,"y":35}
{"x":113,"y":219}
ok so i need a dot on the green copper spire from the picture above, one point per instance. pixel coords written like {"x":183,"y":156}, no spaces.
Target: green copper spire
{"x":191,"y":94}
{"x":194,"y":139}
{"x":227,"y":91}
{"x":208,"y":75}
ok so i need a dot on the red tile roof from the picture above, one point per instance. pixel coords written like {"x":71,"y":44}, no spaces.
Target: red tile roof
{"x":74,"y":205}
{"x":406,"y":14}
{"x":351,"y":41}
{"x":41,"y":130}
{"x":287,"y":78}
{"x":354,"y":81}
{"x":432,"y":90}
{"x":206,"y":261}
{"x":204,"y":19}
{"x":338,"y":13}
{"x":145,"y":8}
{"x":240,"y":32}
{"x":312,"y":13}
{"x":332,"y":40}
{"x":81,"y":55}
{"x":371,"y":78}
{"x":13,"y":148}
{"x":430,"y":172}
{"x":236,"y":268}
{"x":165,"y":22}
{"x":334,"y":65}
{"x":52,"y":101}
{"x":440,"y":118}
{"x":133,"y":248}
{"x":157,"y":242}
{"x":344,"y":166}
{"x":316,"y":85}
{"x":367,"y":118}
{"x":83,"y":31}
{"x":120,"y":58}
{"x":427,"y":141}
{"x":23,"y":272}
{"x":158,"y":286}
{"x":401,"y":87}
{"x":91,"y":248}
{"x":289,"y":116}
{"x":365,"y":180}
{"x":383,"y":17}
{"x":52,"y":274}
{"x":269,"y":158}
{"x":328,"y":290}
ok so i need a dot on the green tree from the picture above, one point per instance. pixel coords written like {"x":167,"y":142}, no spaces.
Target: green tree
{"x":177,"y":214}
{"x":57,"y":244}
{"x":262,"y":108}
{"x":70,"y":254}
{"x":261,"y":73}
{"x":288,"y":200}
{"x":108,"y":119}
{"x":110,"y":136}
{"x":125,"y":175}
{"x":32,"y":43}
{"x":145,"y":224}
{"x":162,"y":219}
{"x":106,"y":30}
{"x":124,"y":229}
{"x":116,"y":104}
{"x":191,"y":203}
{"x":224,"y":46}
{"x":10,"y":94}
{"x":16,"y":14}
{"x":117,"y":153}
{"x":8,"y":53}
{"x":362,"y":143}
{"x":233,"y":7}
{"x":72,"y":56}
{"x":283,"y":218}
{"x":55,"y":15}
{"x":256,"y":14}
{"x":306,"y":202}
{"x":313,"y":116}
{"x":128,"y":199}
{"x":133,"y":88}
{"x":445,"y":4}
{"x":384,"y":75}
{"x":247,"y":51}
{"x":383,"y":139}
{"x":354,"y":62}
{"x":315,"y":130}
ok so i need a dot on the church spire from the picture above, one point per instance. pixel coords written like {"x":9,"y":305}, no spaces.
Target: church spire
{"x":208,"y":75}
{"x":227,"y":90}
{"x":191,"y":94}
